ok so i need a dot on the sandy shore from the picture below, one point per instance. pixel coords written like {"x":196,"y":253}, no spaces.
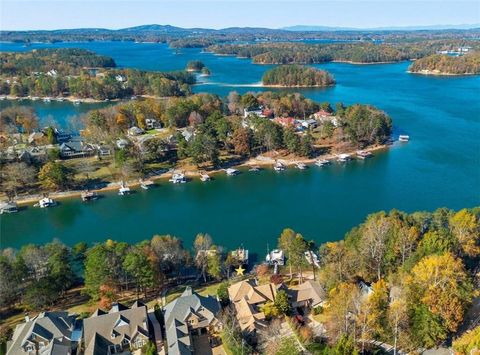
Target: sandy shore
{"x":438,"y":73}
{"x":66,"y":98}
{"x":261,"y":161}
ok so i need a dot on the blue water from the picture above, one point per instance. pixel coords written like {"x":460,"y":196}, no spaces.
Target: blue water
{"x":439,"y":167}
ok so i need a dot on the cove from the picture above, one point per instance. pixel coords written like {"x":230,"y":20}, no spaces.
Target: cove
{"x":439,"y":167}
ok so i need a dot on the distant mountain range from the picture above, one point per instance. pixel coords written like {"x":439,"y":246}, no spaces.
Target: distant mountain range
{"x":306,"y":28}
{"x":169,"y":29}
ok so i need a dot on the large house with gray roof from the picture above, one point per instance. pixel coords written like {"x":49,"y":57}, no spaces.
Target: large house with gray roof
{"x":118,"y":331}
{"x":48,"y":333}
{"x":188,"y":316}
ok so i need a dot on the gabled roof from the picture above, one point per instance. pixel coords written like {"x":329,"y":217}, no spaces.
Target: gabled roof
{"x":254,"y":294}
{"x":54,"y":327}
{"x":120,"y":321}
{"x":179,"y":311}
{"x":309,"y":291}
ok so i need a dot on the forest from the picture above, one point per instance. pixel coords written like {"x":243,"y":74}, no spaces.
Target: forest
{"x":467,"y":64}
{"x":297,"y":76}
{"x":201,"y":37}
{"x":83,"y":74}
{"x":357,"y":52}
{"x":65,"y":61}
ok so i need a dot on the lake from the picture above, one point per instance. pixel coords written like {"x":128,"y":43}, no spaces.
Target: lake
{"x":439,"y":167}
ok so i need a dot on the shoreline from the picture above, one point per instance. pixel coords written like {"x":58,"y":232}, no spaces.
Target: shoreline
{"x":296,"y":86}
{"x":72,"y":99}
{"x":261,"y":161}
{"x":435,"y":73}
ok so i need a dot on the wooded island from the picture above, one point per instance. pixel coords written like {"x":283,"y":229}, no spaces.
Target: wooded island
{"x":297,"y":76}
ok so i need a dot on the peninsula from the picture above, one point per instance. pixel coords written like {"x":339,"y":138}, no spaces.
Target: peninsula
{"x":443,"y":64}
{"x":82,"y":74}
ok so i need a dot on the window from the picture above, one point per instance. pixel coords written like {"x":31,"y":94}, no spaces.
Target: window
{"x":41,"y":345}
{"x":191,"y":321}
{"x":30,"y":347}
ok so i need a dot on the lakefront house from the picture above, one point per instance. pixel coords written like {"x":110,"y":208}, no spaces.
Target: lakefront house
{"x":119,"y":330}
{"x":248,"y":299}
{"x":189,"y":318}
{"x":48,"y":333}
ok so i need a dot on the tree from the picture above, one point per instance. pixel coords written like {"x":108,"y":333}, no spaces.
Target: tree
{"x":397,"y":320}
{"x":233,"y":102}
{"x":17,"y":176}
{"x":137,"y":265}
{"x":342,"y":305}
{"x":466,"y":228}
{"x":54,"y":175}
{"x":202,"y":246}
{"x":97,"y":271}
{"x":8,"y":282}
{"x":291,"y":140}
{"x":343,"y":346}
{"x":214,"y":265}
{"x":306,"y":145}
{"x":222,"y":293}
{"x":282,"y":303}
{"x":242,"y":141}
{"x":168,"y":256}
{"x":468,"y":343}
{"x":374,"y":243}
{"x":149,"y":348}
{"x":203,"y":148}
{"x":249,"y":101}
{"x":294,"y":246}
{"x":442,"y":285}
{"x":287,"y":346}
{"x":377,"y":305}
{"x":41,"y":294}
{"x":59,"y":265}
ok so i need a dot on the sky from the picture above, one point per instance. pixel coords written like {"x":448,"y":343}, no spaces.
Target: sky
{"x":59,"y":14}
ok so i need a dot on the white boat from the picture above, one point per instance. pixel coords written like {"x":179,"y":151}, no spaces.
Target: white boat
{"x":361,"y":154}
{"x":301,"y":166}
{"x":254,"y":168}
{"x":312,"y":258}
{"x":204,"y":177}
{"x":2,"y":97}
{"x":8,"y":207}
{"x":146,"y":184}
{"x":60,"y":99}
{"x":76,"y":102}
{"x":178,"y":178}
{"x":342,"y":158}
{"x":123,"y":190}
{"x":89,"y":196}
{"x":276,"y":256}
{"x":403,"y":138}
{"x":231,"y":171}
{"x":322,"y":162}
{"x":279,"y":167}
{"x":241,"y":255}
{"x":47,"y":100}
{"x":46,"y":202}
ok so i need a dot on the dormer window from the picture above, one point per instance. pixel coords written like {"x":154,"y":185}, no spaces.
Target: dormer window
{"x":30,"y":348}
{"x":113,"y":335}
